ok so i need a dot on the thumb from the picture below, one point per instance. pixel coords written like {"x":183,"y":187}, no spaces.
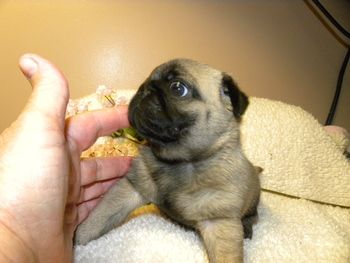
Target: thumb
{"x":50,"y":88}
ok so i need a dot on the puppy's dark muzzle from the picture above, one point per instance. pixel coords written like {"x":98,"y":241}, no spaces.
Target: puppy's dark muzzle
{"x":154,"y":119}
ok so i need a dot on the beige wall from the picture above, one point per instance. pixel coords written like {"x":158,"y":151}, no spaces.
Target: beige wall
{"x":274,"y":49}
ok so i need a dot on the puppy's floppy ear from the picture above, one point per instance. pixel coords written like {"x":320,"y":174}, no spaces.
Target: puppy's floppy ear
{"x":239,"y":100}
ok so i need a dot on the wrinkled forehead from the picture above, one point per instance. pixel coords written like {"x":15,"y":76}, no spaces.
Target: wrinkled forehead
{"x":183,"y":68}
{"x":202,"y":77}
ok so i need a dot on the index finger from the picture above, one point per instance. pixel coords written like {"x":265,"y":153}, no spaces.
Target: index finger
{"x":84,"y":129}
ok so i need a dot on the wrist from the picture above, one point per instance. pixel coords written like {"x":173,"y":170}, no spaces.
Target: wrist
{"x":13,"y":248}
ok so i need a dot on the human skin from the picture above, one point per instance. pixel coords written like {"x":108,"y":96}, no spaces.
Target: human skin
{"x":46,"y":190}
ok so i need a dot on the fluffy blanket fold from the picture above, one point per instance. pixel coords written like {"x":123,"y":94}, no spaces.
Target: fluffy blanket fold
{"x":300,"y":160}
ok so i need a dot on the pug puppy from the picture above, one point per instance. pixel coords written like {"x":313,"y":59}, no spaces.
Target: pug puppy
{"x":194,"y":169}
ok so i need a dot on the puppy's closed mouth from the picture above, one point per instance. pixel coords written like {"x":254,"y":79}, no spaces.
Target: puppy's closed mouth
{"x":155,"y":130}
{"x":160,"y":129}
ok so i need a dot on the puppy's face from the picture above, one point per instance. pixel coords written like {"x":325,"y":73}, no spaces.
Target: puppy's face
{"x":185,"y":109}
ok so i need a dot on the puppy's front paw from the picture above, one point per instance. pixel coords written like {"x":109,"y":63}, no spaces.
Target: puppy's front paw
{"x":85,"y":233}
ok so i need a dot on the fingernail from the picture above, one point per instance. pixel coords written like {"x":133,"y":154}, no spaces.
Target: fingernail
{"x":29,"y":66}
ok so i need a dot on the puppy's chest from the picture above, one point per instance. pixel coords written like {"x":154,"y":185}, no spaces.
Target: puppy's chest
{"x":173,"y":183}
{"x":174,"y":178}
{"x":187,"y":192}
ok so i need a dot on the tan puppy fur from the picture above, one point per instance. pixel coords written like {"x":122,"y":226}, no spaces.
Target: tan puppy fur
{"x":194,"y":168}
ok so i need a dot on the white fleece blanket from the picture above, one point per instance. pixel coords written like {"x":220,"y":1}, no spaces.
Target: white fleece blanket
{"x":299,"y":159}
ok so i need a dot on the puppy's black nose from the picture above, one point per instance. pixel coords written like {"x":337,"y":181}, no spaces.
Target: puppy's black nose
{"x":148,"y":88}
{"x":153,"y":86}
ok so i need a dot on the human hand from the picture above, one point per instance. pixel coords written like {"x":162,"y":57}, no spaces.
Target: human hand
{"x":45,"y":189}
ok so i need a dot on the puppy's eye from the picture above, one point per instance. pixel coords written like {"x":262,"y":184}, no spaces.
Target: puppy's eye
{"x":225,"y":92}
{"x":178,"y":89}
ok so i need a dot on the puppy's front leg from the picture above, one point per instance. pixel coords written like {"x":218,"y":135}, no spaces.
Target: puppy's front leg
{"x":223,"y":239}
{"x":115,"y":206}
